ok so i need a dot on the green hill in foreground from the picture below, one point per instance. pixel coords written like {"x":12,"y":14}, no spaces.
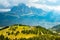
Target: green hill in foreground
{"x":25,"y":32}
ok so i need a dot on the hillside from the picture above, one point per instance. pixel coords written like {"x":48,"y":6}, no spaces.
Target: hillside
{"x":25,"y":32}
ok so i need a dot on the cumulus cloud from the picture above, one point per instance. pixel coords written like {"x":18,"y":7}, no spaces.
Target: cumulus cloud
{"x":44,"y":6}
{"x":52,"y":1}
{"x":32,"y":1}
{"x":29,"y":14}
{"x":4,"y":10}
{"x":5,"y":3}
{"x":35,"y":3}
{"x":16,"y":2}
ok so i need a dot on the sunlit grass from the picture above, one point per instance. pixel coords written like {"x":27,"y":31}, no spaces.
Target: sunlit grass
{"x":20,"y":35}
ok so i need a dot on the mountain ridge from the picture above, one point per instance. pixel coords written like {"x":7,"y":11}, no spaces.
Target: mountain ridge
{"x":21,"y":14}
{"x":56,"y":28}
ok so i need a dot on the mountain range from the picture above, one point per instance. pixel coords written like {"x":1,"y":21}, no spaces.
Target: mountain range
{"x":22,"y":14}
{"x":56,"y":28}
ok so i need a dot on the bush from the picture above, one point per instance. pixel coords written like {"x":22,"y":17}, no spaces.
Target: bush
{"x":17,"y":33}
{"x":23,"y":39}
{"x":29,"y":32}
{"x":8,"y":33}
{"x":6,"y":38}
{"x":1,"y":37}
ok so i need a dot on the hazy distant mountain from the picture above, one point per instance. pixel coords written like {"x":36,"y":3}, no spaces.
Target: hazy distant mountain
{"x":23,"y":14}
{"x":56,"y":28}
{"x":22,"y":9}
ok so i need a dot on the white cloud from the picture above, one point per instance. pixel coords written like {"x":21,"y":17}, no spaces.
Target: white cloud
{"x":44,"y":6}
{"x":7,"y":3}
{"x":29,"y":14}
{"x":4,"y":3}
{"x":52,"y":1}
{"x":33,"y":1}
{"x":17,"y":16}
{"x":4,"y":10}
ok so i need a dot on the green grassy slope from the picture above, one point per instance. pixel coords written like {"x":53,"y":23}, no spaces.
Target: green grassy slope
{"x":25,"y":32}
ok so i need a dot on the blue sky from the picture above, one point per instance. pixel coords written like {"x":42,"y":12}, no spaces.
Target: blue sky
{"x":51,"y":8}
